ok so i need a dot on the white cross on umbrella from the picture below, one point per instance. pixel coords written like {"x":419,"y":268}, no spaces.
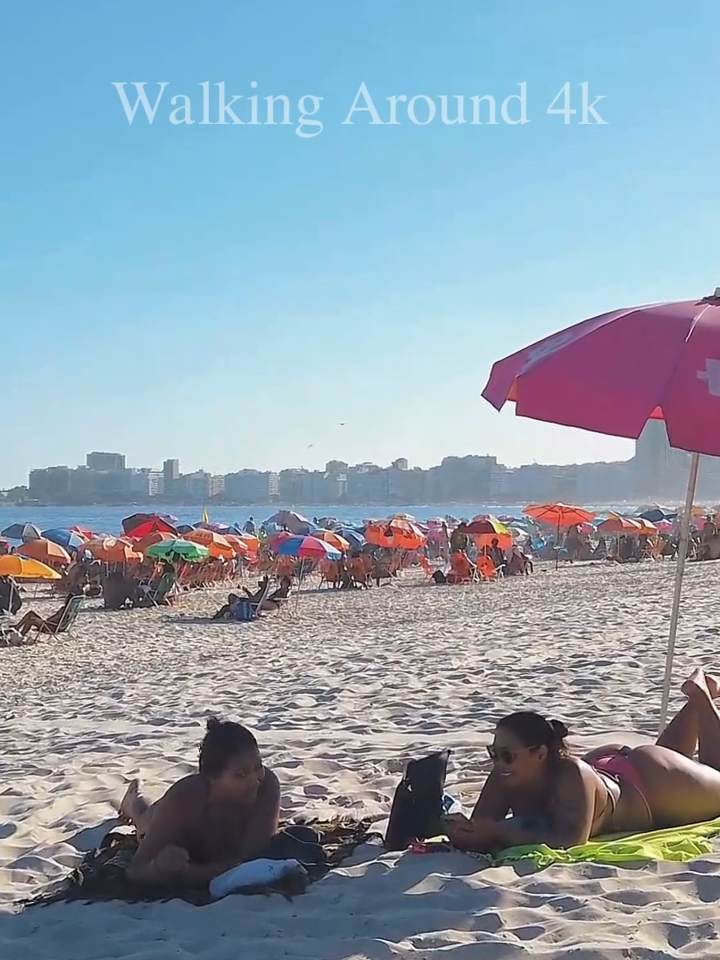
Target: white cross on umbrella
{"x":711,"y":376}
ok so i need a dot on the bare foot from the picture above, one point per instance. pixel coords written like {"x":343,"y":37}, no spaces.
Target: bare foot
{"x":713,"y":685}
{"x":132,"y":808}
{"x":696,"y":685}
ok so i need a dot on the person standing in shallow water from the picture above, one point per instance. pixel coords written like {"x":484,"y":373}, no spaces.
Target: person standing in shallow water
{"x":538,"y":793}
{"x":206,"y":823}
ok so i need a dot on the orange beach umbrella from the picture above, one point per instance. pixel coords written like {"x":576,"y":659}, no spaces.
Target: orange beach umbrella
{"x":45,"y":551}
{"x":239,"y":544}
{"x":558,"y":514}
{"x":218,"y":546}
{"x":334,"y":539}
{"x":156,"y":537}
{"x":395,"y":535}
{"x":113,"y":550}
{"x":617,"y":526}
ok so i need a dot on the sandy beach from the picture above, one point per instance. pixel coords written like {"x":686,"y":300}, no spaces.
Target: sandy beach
{"x":341,"y":691}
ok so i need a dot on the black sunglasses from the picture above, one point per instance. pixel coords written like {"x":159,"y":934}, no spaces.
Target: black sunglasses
{"x":504,"y":754}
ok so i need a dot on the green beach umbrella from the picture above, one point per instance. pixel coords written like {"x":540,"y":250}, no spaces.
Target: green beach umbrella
{"x":177,"y":550}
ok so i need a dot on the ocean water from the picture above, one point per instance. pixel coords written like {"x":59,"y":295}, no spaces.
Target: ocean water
{"x":108,"y":519}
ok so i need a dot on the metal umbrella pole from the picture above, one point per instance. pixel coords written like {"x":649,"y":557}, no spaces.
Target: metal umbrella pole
{"x":679,"y":571}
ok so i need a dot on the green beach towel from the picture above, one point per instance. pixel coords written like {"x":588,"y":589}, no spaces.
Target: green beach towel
{"x":676,"y":843}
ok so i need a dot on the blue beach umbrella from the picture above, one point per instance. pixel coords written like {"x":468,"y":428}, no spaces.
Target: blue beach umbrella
{"x":68,"y":539}
{"x":21,"y":531}
{"x":295,"y":522}
{"x":355,"y":539}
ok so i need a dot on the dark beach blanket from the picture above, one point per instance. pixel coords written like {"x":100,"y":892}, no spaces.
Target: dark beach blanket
{"x":319,"y":845}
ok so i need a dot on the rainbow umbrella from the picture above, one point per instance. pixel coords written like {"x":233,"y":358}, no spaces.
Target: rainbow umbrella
{"x":307,"y":548}
{"x":487,"y":525}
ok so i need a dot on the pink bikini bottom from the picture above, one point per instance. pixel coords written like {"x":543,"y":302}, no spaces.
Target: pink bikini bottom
{"x":620,"y":767}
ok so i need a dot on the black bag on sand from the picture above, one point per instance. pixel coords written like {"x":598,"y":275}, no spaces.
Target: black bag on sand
{"x":417,"y":807}
{"x":296,"y":842}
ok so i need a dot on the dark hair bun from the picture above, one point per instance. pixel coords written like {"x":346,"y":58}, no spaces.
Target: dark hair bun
{"x":213,"y":723}
{"x":559,"y":729}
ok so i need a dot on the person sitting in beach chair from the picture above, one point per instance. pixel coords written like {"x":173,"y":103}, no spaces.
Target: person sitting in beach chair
{"x":486,"y":568}
{"x":119,"y":589}
{"x":497,"y":555}
{"x":210,"y":821}
{"x":330,"y":573}
{"x":226,"y":610}
{"x":461,"y":570}
{"x":358,"y":570}
{"x":562,"y":801}
{"x":10,"y":599}
{"x":58,"y":622}
{"x":518,"y":564}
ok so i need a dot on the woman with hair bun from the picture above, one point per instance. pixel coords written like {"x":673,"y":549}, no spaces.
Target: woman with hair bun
{"x":206,"y":823}
{"x":537,"y":792}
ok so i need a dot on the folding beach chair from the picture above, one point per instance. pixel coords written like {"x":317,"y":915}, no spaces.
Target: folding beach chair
{"x":246,"y":609}
{"x":72,"y":609}
{"x":158,"y":596}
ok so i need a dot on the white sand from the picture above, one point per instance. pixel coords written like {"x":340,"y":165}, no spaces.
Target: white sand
{"x":341,"y":692}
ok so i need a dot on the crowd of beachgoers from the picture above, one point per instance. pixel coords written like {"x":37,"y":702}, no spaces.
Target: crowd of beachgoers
{"x":340,"y":694}
{"x":155,"y":558}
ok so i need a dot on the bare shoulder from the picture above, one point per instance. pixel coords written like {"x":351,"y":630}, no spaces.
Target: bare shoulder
{"x":270,"y":786}
{"x":189,"y":791}
{"x":573,"y":774}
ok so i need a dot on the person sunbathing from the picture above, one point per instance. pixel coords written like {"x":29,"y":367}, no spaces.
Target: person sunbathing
{"x":563,"y":801}
{"x":207,"y":822}
{"x":33,"y":621}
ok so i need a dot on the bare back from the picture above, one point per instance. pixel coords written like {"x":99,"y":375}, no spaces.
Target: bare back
{"x":186,"y":817}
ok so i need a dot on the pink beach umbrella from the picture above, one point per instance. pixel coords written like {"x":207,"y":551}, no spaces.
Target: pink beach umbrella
{"x":665,"y":366}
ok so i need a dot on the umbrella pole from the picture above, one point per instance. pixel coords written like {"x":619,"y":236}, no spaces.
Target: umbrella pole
{"x":557,"y":544}
{"x":679,"y":571}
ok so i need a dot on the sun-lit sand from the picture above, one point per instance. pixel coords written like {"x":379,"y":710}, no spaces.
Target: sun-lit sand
{"x":341,"y":691}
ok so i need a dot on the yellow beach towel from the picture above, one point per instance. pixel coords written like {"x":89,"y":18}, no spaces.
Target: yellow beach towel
{"x":676,"y":843}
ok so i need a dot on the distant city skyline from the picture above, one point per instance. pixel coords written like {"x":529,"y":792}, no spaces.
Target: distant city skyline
{"x":655,"y":471}
{"x":313,"y":455}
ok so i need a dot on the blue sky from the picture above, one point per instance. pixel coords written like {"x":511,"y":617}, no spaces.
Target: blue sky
{"x":229,"y":294}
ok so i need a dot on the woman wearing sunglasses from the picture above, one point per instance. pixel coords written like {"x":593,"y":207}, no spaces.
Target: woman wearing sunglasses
{"x":538,"y":793}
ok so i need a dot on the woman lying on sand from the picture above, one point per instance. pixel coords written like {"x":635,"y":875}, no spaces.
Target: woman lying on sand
{"x":210,"y":821}
{"x":562,"y":801}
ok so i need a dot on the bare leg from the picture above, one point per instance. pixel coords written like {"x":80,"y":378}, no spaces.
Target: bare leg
{"x":30,"y":620}
{"x":682,"y":733}
{"x":134,"y":808}
{"x":697,"y":691}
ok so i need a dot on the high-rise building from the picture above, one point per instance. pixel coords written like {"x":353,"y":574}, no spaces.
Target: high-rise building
{"x":105,"y":462}
{"x":171,"y":474}
{"x":659,"y":470}
{"x":249,"y":486}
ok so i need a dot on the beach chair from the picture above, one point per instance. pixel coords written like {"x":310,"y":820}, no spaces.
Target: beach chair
{"x":247,"y":609}
{"x":65,"y":622}
{"x":486,"y":568}
{"x":159,"y":595}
